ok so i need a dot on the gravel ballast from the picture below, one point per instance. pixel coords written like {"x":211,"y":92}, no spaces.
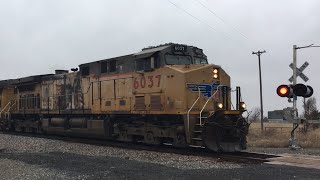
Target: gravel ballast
{"x":22,"y":144}
{"x":24,"y":157}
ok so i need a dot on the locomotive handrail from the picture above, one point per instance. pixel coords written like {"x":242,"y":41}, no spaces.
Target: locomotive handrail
{"x":4,"y":108}
{"x":11,"y":105}
{"x":218,"y":88}
{"x":87,"y":89}
{"x":188,"y":114}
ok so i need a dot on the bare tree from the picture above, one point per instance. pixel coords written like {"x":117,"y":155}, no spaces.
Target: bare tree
{"x":255,"y":115}
{"x":310,"y":109}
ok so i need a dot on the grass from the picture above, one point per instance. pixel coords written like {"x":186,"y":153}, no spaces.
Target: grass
{"x":277,"y":135}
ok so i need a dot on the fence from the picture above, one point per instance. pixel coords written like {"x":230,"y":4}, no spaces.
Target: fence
{"x":284,"y":129}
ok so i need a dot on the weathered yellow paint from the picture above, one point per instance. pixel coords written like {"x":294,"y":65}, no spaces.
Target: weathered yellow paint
{"x":117,"y":93}
{"x":6,"y":96}
{"x":170,"y":82}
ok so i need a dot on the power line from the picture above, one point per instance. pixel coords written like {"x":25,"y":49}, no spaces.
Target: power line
{"x":216,"y":15}
{"x":191,"y":15}
{"x":196,"y":18}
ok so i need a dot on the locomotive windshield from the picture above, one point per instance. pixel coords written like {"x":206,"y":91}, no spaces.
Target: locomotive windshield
{"x":198,"y":60}
{"x":178,"y":59}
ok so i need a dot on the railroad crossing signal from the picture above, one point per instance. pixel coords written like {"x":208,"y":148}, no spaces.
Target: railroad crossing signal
{"x":298,"y":90}
{"x":299,"y":72}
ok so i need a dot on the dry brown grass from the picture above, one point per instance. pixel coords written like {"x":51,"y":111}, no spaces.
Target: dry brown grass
{"x":277,"y":135}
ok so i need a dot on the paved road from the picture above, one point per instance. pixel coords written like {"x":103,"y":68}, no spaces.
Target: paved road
{"x":58,"y":165}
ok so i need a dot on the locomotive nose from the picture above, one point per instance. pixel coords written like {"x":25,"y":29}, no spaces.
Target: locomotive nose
{"x":222,"y":134}
{"x":215,"y":140}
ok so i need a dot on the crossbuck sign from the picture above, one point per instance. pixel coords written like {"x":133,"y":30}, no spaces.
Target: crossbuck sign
{"x":299,"y":72}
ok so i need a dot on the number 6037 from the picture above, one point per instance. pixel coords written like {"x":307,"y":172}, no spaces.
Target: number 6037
{"x":147,"y":81}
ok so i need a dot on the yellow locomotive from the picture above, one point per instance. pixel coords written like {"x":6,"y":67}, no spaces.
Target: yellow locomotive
{"x":163,"y":94}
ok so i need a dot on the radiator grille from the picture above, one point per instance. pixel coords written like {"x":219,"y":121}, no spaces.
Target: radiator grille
{"x":108,"y":103}
{"x":155,"y":103}
{"x":139,"y":103}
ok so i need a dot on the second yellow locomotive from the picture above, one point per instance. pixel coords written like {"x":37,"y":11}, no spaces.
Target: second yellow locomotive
{"x":163,"y":94}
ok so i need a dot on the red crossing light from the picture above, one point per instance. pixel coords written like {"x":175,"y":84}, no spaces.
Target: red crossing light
{"x":284,"y":91}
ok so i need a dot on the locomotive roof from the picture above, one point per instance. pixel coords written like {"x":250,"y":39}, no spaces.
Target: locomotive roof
{"x":119,"y":57}
{"x":24,"y":80}
{"x":144,"y":53}
{"x":149,"y":52}
{"x":5,"y":82}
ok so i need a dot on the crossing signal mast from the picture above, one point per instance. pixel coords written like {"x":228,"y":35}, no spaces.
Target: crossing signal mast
{"x":294,"y":90}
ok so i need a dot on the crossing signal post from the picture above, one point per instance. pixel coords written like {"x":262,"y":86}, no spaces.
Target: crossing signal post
{"x":294,"y":90}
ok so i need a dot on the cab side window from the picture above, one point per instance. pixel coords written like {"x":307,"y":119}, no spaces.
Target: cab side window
{"x":143,"y":64}
{"x":157,"y":61}
{"x":85,"y":71}
{"x":104,"y":67}
{"x":113,"y":66}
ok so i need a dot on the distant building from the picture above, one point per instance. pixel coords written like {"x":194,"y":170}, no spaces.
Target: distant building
{"x":276,"y":114}
{"x":285,"y":114}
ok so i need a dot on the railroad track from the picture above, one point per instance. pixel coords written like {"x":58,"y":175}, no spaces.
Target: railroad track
{"x":241,"y":157}
{"x":238,"y":157}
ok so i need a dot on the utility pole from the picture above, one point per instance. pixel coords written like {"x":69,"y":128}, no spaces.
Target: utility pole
{"x":261,"y":102}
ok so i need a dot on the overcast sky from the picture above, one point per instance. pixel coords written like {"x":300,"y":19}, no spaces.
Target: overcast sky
{"x":37,"y":36}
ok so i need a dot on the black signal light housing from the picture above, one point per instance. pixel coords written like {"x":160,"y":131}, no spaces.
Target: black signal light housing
{"x":298,"y":90}
{"x":303,"y":90}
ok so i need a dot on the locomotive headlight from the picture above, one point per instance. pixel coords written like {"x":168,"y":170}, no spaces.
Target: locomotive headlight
{"x":220,"y":105}
{"x":215,"y":72}
{"x":243,"y":106}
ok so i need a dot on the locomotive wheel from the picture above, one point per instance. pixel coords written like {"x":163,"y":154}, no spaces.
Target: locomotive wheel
{"x":180,"y":140}
{"x":150,"y":139}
